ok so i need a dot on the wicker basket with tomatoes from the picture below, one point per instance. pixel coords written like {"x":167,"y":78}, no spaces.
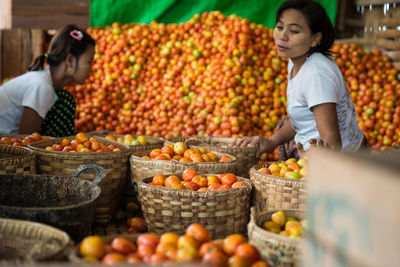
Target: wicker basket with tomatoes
{"x":176,"y":158}
{"x":62,"y":156}
{"x":276,"y":186}
{"x":246,"y":155}
{"x":278,"y":235}
{"x":172,"y":202}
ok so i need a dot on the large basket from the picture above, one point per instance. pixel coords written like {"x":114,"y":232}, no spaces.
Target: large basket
{"x":245,"y":155}
{"x":66,"y":163}
{"x":282,"y":250}
{"x":222,"y":212}
{"x":275,"y":193}
{"x":16,"y":160}
{"x":24,"y":241}
{"x":67,"y":203}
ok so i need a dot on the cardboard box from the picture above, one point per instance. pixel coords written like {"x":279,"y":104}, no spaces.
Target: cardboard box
{"x":353,"y":209}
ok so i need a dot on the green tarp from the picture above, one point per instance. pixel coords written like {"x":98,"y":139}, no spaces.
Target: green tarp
{"x":105,"y":12}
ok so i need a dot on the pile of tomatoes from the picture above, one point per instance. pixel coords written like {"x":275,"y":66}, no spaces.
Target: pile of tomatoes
{"x":194,"y":246}
{"x":191,"y":180}
{"x":16,"y":141}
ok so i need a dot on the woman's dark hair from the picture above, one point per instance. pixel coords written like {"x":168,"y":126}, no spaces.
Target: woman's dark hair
{"x":69,"y":40}
{"x":318,"y":21}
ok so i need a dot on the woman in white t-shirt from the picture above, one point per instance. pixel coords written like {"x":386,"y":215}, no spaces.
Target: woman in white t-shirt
{"x":26,"y":99}
{"x":318,"y":101}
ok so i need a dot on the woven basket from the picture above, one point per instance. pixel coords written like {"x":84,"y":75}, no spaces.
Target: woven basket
{"x":143,"y":167}
{"x":24,"y":241}
{"x":245,"y":155}
{"x":282,"y":250}
{"x":66,"y":163}
{"x":16,"y":160}
{"x":222,"y":212}
{"x":275,"y":193}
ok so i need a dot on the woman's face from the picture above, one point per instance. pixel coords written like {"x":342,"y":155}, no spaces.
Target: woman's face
{"x":84,"y":66}
{"x":293,"y":37}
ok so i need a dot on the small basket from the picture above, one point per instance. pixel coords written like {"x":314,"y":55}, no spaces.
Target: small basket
{"x":143,"y":167}
{"x":222,"y":212}
{"x":66,"y":163}
{"x":282,"y":250}
{"x":276,"y":193}
{"x":16,"y":160}
{"x":24,"y":241}
{"x":246,"y":155}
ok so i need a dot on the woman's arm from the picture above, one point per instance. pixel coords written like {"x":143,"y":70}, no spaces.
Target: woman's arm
{"x":30,"y":121}
{"x":327,"y":123}
{"x":285,"y":133}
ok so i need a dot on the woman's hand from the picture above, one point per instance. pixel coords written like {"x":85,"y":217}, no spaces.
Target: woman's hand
{"x":263,"y":144}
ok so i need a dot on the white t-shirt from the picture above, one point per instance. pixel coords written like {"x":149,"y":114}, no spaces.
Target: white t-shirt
{"x":319,"y":81}
{"x":33,"y":89}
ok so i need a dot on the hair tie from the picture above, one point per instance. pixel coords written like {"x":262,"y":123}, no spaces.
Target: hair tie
{"x":46,"y":56}
{"x":77,"y":35}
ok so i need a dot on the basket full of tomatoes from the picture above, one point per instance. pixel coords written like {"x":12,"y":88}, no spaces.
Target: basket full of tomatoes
{"x":219,"y":202}
{"x":63,"y":156}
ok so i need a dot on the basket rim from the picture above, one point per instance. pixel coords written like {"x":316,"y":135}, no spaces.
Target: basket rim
{"x":33,"y":146}
{"x":96,"y":189}
{"x":136,"y":157}
{"x":270,"y":235}
{"x":27,"y":152}
{"x":142,"y":183}
{"x":256,"y":167}
{"x":62,"y":236}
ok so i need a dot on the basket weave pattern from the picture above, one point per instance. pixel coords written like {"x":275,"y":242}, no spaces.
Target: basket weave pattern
{"x":142,"y":168}
{"x":17,"y":160}
{"x":246,"y":155}
{"x":275,"y":193}
{"x":24,"y":241}
{"x":66,"y":163}
{"x":222,"y":212}
{"x":283,"y":250}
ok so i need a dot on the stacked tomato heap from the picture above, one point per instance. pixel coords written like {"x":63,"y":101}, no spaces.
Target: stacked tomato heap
{"x":194,"y":246}
{"x":215,"y":75}
{"x":23,"y":141}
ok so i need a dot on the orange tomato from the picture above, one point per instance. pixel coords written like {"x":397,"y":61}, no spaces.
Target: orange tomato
{"x":216,"y":259}
{"x":159,"y":179}
{"x":133,"y":258}
{"x":200,"y":180}
{"x":162,"y":248}
{"x":161,"y":157}
{"x":122,"y":245}
{"x":168,"y":150}
{"x":187,"y":153}
{"x":81,"y":137}
{"x":157,"y":259}
{"x":228,"y":179}
{"x":208,"y":247}
{"x":139,"y":224}
{"x":238,"y":184}
{"x":170,"y":238}
{"x":198,"y":232}
{"x":187,"y":255}
{"x":93,"y":246}
{"x":155,"y":152}
{"x":113,"y":258}
{"x":231,"y":242}
{"x":239,"y":261}
{"x":214,"y":186}
{"x":188,"y":242}
{"x":213,"y":179}
{"x":145,"y":250}
{"x":178,"y":186}
{"x":249,"y":251}
{"x":171,"y":180}
{"x":188,"y":174}
{"x":148,"y":239}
